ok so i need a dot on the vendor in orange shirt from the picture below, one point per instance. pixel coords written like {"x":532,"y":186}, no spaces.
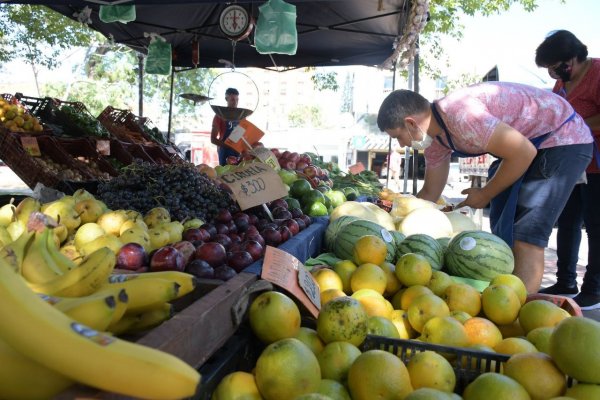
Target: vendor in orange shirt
{"x":221,"y":129}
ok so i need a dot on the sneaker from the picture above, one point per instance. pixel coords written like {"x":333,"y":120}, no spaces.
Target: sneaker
{"x":587,"y":301}
{"x":560,"y":290}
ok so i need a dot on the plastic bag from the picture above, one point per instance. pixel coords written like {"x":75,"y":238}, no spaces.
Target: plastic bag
{"x":159,"y":56}
{"x":123,"y":14}
{"x":276,"y":28}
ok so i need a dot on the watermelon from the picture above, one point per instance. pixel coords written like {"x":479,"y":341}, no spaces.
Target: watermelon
{"x":478,"y":255}
{"x":354,"y":230}
{"x":444,"y":242}
{"x":333,"y":229}
{"x":398,"y":237}
{"x":424,"y":245}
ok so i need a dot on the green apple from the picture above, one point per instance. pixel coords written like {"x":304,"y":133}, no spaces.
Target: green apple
{"x":106,"y":240}
{"x":193,"y":223}
{"x":136,"y":235}
{"x":158,"y":238}
{"x":7,"y":214}
{"x":89,"y":210}
{"x":157,"y":216}
{"x":87,"y":233}
{"x":111,"y":221}
{"x":287,"y":176}
{"x":174,"y":229}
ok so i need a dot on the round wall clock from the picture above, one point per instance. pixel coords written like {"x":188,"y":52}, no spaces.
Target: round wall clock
{"x":235,"y":22}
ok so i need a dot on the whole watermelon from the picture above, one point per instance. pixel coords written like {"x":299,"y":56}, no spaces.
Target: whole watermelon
{"x":333,"y":229}
{"x":348,"y":235}
{"x":424,"y":245}
{"x":478,"y":255}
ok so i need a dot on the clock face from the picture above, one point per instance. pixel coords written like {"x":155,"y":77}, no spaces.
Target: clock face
{"x":234,"y":21}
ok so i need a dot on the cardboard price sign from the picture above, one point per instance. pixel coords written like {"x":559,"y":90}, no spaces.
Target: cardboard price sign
{"x":254,"y":184}
{"x":286,"y":271}
{"x":31,"y":146}
{"x":103,"y":147}
{"x":243,"y":136}
{"x":266,"y":156}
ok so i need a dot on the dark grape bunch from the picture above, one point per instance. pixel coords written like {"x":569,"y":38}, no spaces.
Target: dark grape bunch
{"x":180,"y":188}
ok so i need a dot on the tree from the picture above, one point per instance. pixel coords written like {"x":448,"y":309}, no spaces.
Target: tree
{"x":347,"y":95}
{"x":39,"y":36}
{"x":304,"y":115}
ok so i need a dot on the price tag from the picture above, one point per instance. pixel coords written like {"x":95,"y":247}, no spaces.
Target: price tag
{"x":31,"y":146}
{"x":254,"y":184}
{"x":103,"y":147}
{"x":171,"y":150}
{"x":266,"y":156}
{"x":284,"y":270}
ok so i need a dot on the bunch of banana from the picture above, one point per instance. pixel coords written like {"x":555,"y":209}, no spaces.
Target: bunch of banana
{"x":61,"y":350}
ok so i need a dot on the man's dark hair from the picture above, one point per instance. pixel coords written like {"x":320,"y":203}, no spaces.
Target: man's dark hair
{"x":560,"y":46}
{"x":232,"y":91}
{"x":398,"y":105}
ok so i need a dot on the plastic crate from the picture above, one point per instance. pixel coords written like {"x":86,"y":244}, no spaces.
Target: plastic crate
{"x":83,"y":150}
{"x":137,"y":152}
{"x":117,"y":122}
{"x":566,"y":303}
{"x":158,"y":154}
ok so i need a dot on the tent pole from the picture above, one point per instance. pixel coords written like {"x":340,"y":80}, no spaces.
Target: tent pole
{"x":171,"y":104}
{"x":140,"y":84}
{"x":416,"y":152}
{"x":387,"y":175}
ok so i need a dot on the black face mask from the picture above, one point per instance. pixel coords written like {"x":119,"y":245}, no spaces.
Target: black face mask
{"x":563,"y":71}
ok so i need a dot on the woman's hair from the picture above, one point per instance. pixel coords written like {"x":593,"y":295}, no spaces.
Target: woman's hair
{"x":560,"y":46}
{"x":398,"y":105}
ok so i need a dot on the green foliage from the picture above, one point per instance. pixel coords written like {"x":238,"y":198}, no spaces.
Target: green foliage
{"x":305,"y":115}
{"x":347,"y":94}
{"x":323,"y":80}
{"x":462,"y":81}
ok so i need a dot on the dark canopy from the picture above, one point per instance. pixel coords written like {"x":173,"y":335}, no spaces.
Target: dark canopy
{"x":330,"y":32}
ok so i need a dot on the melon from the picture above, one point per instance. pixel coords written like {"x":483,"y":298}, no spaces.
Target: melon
{"x":368,"y":211}
{"x":460,"y":222}
{"x":429,"y":221}
{"x":333,"y":229}
{"x":424,"y":245}
{"x":348,"y":235}
{"x":478,"y":255}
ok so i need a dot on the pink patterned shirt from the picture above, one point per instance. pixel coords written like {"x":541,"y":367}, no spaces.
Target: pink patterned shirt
{"x":471,"y":114}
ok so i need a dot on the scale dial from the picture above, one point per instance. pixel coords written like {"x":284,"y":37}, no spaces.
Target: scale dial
{"x":235,"y":22}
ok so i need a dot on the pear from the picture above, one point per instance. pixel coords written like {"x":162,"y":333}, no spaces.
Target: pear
{"x":72,"y":253}
{"x":89,"y":210}
{"x":63,"y":211}
{"x":86,"y":233}
{"x":132,"y":214}
{"x":5,"y":237}
{"x":133,"y":223}
{"x":106,"y":240}
{"x":174,"y":229}
{"x":193,"y":223}
{"x":157,"y":216}
{"x":158,"y":238}
{"x":136,"y":235}
{"x":25,"y":208}
{"x":7,"y":214}
{"x":15,"y":229}
{"x":111,"y":221}
{"x":82,"y":194}
{"x":61,"y":233}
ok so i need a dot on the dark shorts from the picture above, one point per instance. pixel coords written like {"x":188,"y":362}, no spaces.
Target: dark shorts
{"x":545,"y":190}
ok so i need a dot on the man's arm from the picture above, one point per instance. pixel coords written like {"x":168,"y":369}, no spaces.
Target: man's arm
{"x":516,"y":152}
{"x":214,"y":133}
{"x":435,"y":181}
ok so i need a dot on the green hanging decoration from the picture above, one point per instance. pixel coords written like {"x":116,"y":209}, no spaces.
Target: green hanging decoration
{"x":159,"y":58}
{"x":120,"y":13}
{"x":276,"y":28}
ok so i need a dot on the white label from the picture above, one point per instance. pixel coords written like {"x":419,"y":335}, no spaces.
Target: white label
{"x":387,"y":236}
{"x":467,"y":243}
{"x":236,"y":134}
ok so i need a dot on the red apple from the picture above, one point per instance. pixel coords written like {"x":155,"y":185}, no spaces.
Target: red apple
{"x":276,"y":152}
{"x":223,"y":216}
{"x":295,"y":157}
{"x":251,"y":230}
{"x":224,"y":272}
{"x":296,"y":213}
{"x":310,"y":171}
{"x":253,"y":247}
{"x":210,"y":228}
{"x":224,"y":239}
{"x":272,"y":236}
{"x":300,"y":165}
{"x":278,"y":203}
{"x":239,"y":260}
{"x":256,"y":237}
{"x":212,"y":252}
{"x":131,"y":257}
{"x":167,"y":258}
{"x":232,"y":227}
{"x":200,"y":269}
{"x":187,"y":249}
{"x":232,"y":160}
{"x":253,"y":219}
{"x":289,"y":164}
{"x":285,"y":233}
{"x":307,"y":220}
{"x":193,"y":234}
{"x":235,"y":238}
{"x":306,"y":158}
{"x":285,"y":154}
{"x":292,"y":226}
{"x":300,"y":223}
{"x":221,"y":228}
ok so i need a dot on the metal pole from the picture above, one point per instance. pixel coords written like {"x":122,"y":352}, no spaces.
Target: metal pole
{"x":387,"y":175}
{"x":171,"y":104}
{"x":140,"y":84}
{"x":416,"y":153}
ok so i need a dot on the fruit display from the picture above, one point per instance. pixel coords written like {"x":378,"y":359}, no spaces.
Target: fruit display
{"x":16,"y":119}
{"x":59,"y":170}
{"x":75,"y":122}
{"x":180,"y":188}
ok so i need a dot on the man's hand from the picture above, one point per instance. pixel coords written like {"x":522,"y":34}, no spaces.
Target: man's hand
{"x":476,"y":198}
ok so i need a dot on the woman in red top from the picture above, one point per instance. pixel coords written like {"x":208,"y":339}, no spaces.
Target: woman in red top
{"x":578,"y":80}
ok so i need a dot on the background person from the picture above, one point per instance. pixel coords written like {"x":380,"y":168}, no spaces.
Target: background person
{"x":542,"y":145}
{"x":577,"y":80}
{"x":395,"y":163}
{"x":221,"y":129}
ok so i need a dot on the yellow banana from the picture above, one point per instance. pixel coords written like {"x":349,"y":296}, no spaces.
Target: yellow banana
{"x":121,"y":306}
{"x":143,"y":321}
{"x":94,"y":311}
{"x":15,"y":252}
{"x":38,"y":265}
{"x":82,"y":280}
{"x":39,"y":331}
{"x":63,"y":262}
{"x":145,"y":294}
{"x":21,"y":378}
{"x":187,"y":282}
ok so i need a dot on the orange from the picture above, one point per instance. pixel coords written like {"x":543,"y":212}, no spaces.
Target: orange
{"x":375,"y":305}
{"x":537,"y":373}
{"x":334,"y":389}
{"x":538,"y":313}
{"x":439,"y":282}
{"x":331,"y":294}
{"x":425,"y":307}
{"x":460,"y":316}
{"x":335,"y":360}
{"x":369,"y":249}
{"x":396,"y":299}
{"x":513,"y":329}
{"x":462,"y":297}
{"x":368,"y":276}
{"x":392,"y":282}
{"x":344,"y":269}
{"x":514,"y":345}
{"x":237,"y":385}
{"x":382,"y":326}
{"x":287,"y":369}
{"x":380,"y":372}
{"x":274,"y":316}
{"x":446,"y":331}
{"x":431,"y":394}
{"x":342,"y":319}
{"x":492,"y":385}
{"x":400,"y":319}
{"x":411,"y":293}
{"x":583,"y":391}
{"x":310,"y":338}
{"x":431,"y":370}
{"x":413,"y":269}
{"x":540,"y":338}
{"x":482,"y":331}
{"x":313,"y":396}
{"x":327,"y":279}
{"x":500,"y":304}
{"x":513,"y":282}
